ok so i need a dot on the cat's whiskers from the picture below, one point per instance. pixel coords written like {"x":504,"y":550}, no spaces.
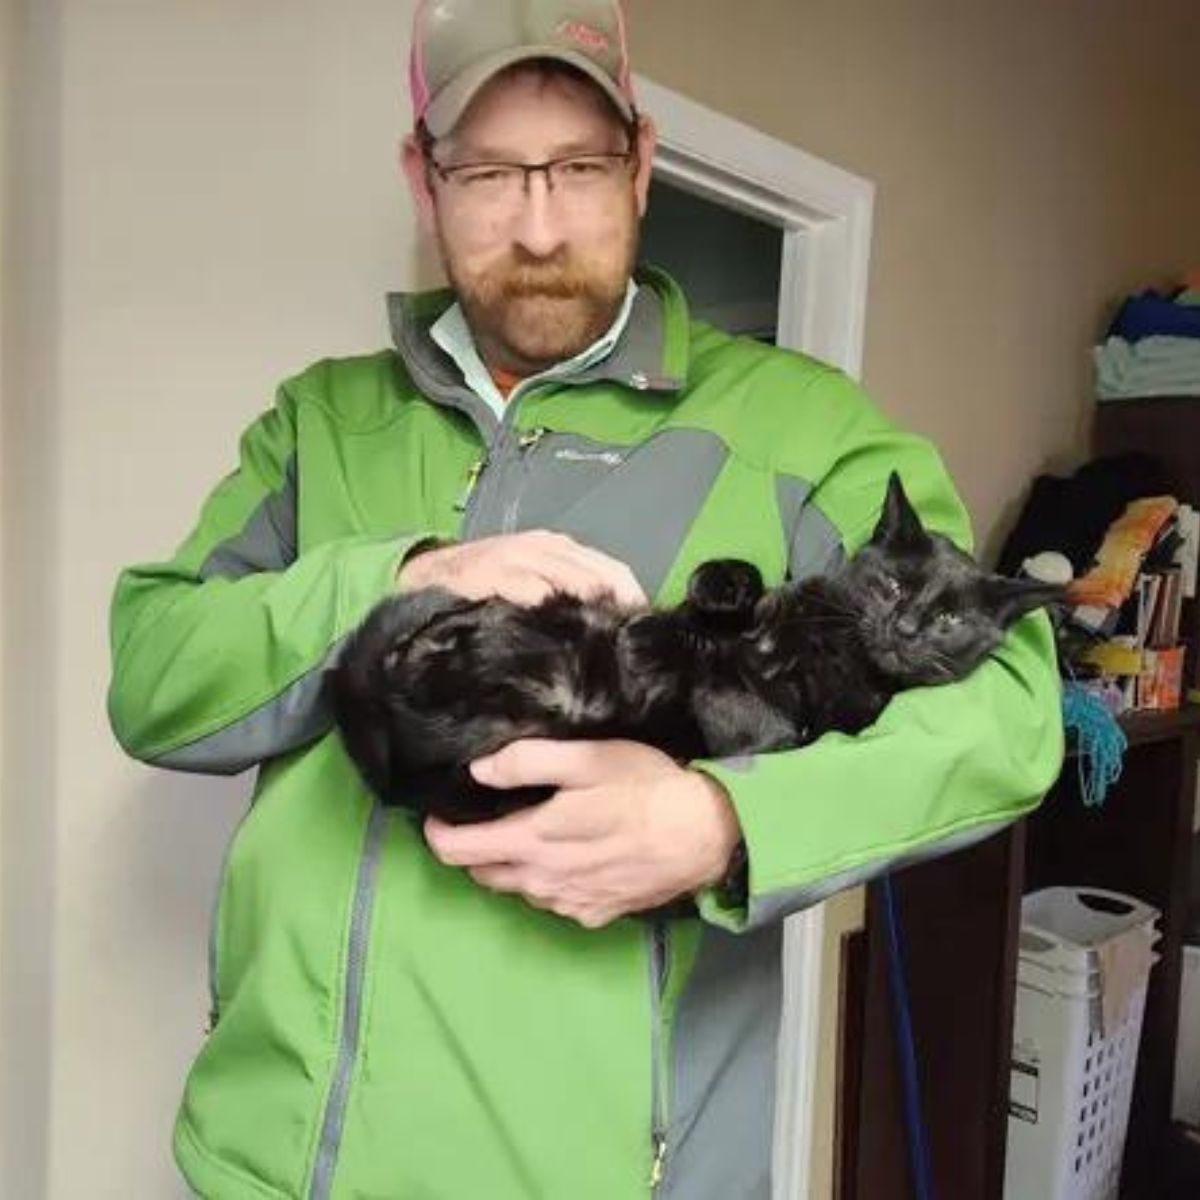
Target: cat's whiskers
{"x":943,"y":664}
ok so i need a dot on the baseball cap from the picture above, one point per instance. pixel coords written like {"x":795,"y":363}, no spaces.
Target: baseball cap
{"x":458,"y":45}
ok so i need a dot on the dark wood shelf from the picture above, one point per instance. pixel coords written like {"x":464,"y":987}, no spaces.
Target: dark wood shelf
{"x":1144,"y":726}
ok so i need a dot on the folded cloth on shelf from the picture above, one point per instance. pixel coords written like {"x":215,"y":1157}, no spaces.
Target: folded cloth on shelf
{"x":1150,"y":314}
{"x":1125,"y":545}
{"x":1155,"y":366}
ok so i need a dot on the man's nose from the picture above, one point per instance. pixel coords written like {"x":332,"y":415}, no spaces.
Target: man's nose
{"x":539,"y":226}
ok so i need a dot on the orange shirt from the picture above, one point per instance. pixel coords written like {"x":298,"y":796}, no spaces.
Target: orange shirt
{"x":504,"y":380}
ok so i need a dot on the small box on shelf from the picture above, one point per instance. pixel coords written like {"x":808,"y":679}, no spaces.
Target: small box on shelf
{"x":1144,"y":659}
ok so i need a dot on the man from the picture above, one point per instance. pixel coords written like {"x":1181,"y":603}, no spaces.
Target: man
{"x":471,"y":1013}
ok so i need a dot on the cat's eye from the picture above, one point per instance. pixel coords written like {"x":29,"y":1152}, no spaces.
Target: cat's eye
{"x":948,"y":620}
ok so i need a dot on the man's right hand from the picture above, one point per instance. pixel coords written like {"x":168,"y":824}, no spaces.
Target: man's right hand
{"x":524,"y":568}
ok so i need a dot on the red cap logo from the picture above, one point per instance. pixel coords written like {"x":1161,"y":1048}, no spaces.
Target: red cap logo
{"x":584,"y":35}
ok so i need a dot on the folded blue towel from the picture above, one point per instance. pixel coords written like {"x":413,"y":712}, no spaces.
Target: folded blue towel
{"x":1151,"y":314}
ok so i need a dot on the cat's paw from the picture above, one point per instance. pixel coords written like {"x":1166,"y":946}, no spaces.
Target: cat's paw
{"x":723,"y":593}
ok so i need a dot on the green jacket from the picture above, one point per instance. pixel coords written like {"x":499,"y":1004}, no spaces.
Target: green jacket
{"x":383,"y":1027}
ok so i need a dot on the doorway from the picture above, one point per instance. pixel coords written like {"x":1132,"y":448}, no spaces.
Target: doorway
{"x":728,"y":263}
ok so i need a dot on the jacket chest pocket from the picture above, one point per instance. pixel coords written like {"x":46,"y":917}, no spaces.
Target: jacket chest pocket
{"x":387,"y":482}
{"x":634,"y":503}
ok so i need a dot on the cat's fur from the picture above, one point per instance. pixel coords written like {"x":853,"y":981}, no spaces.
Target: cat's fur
{"x":432,"y":681}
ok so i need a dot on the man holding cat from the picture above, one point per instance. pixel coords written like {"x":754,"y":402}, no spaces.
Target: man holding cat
{"x":467,"y":1012}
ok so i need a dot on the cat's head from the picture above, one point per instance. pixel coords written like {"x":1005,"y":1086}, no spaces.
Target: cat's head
{"x":928,"y":613}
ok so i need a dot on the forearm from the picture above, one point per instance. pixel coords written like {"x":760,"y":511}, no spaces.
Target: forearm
{"x":215,"y":675}
{"x":942,"y":767}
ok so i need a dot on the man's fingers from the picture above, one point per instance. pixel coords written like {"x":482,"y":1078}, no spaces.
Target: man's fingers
{"x":524,"y":568}
{"x":525,"y":587}
{"x":579,"y":569}
{"x":503,"y":841}
{"x":534,"y":762}
{"x":610,"y":574}
{"x":543,"y":894}
{"x":539,"y":576}
{"x":503,"y":878}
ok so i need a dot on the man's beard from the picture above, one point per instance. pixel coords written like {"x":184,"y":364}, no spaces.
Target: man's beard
{"x":528,"y":313}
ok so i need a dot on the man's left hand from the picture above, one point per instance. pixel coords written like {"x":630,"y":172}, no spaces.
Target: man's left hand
{"x":628,"y":829}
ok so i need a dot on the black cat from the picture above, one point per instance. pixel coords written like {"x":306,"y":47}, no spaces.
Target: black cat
{"x":431,"y":680}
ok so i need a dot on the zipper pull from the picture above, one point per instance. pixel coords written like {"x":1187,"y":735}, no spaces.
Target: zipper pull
{"x":660,"y":1154}
{"x":529,"y":439}
{"x":473,"y":474}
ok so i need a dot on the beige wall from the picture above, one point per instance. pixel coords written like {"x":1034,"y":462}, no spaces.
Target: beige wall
{"x":1032,"y":161}
{"x":6,"y":92}
{"x":7,"y":30}
{"x":26,"y":746}
{"x":208,"y":203}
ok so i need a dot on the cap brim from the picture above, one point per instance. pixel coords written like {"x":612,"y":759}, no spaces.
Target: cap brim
{"x":447,"y":107}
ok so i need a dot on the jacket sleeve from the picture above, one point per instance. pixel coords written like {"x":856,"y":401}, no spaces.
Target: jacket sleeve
{"x":941,"y":768}
{"x":218,"y":653}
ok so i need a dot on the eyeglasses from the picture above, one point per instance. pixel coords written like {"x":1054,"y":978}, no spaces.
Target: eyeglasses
{"x":575,"y":176}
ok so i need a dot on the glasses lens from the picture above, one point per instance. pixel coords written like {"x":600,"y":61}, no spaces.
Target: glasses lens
{"x":488,"y":184}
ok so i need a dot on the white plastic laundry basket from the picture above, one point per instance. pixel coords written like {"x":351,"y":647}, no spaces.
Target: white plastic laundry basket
{"x":1072,"y":1078}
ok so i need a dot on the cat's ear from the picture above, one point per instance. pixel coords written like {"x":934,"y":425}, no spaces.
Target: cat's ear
{"x":1010,"y":599}
{"x":899,"y":527}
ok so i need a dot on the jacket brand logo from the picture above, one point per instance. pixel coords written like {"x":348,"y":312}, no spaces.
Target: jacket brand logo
{"x":609,"y":457}
{"x":584,"y":35}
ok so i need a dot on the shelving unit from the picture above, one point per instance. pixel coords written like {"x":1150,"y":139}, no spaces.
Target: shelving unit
{"x":961,"y":918}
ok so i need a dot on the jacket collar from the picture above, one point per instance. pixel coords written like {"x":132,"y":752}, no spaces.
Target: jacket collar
{"x":650,"y":355}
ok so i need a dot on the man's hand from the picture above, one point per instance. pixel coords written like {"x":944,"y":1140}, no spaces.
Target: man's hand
{"x":627,"y":830}
{"x":524,"y":568}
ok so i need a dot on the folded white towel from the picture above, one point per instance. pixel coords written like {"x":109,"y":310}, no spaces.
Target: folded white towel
{"x":1154,"y":366}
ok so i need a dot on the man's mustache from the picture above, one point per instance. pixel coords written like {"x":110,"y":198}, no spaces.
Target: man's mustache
{"x":557,"y":280}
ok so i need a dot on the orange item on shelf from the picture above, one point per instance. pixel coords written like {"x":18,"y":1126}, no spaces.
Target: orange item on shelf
{"x":1125,"y":545}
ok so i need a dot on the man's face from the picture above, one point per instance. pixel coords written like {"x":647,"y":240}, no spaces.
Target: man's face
{"x":540,"y":272}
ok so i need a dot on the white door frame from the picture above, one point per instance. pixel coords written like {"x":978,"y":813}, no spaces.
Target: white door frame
{"x":825,"y":214}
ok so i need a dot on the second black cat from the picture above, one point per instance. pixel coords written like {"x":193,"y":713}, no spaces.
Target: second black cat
{"x":431,"y":681}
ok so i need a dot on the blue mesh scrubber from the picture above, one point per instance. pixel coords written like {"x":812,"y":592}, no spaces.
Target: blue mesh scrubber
{"x":1101,"y":742}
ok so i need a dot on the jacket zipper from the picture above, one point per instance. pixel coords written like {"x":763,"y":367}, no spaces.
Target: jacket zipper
{"x":526,"y":442}
{"x":476,"y":469}
{"x":356,"y":966}
{"x":509,"y":448}
{"x":660,"y":966}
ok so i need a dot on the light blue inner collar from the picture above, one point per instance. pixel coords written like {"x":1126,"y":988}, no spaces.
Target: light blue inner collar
{"x":452,"y":333}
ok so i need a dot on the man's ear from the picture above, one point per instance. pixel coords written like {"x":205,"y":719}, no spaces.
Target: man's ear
{"x":647,"y":141}
{"x":416,"y":172}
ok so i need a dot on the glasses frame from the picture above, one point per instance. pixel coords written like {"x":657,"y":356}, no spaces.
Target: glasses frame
{"x":528,"y":170}
{"x":630,"y":156}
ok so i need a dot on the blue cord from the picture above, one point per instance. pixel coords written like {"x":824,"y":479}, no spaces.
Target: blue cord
{"x":918,"y":1138}
{"x":1100,"y":739}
